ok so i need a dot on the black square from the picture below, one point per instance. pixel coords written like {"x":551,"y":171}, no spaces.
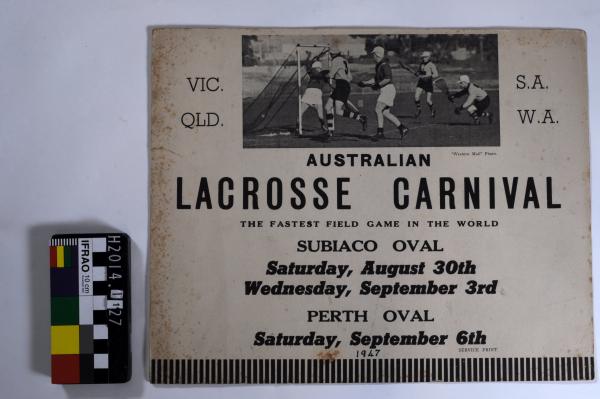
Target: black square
{"x":64,"y":281}
{"x":100,"y":258}
{"x":100,"y":317}
{"x":101,"y":288}
{"x":100,"y":346}
{"x":100,"y":376}
{"x":86,"y":369}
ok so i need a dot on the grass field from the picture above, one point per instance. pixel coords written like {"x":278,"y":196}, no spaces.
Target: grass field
{"x":445,"y":130}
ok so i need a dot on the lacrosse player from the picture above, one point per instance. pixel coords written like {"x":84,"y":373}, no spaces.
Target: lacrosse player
{"x":341,"y":76}
{"x":313,"y":95}
{"x":477,"y":100}
{"x":426,"y":73}
{"x":387,"y":92}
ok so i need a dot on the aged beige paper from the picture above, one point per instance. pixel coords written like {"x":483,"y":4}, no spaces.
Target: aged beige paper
{"x":369,"y":205}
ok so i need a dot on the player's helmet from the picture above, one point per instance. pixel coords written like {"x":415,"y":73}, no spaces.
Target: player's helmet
{"x":426,"y":54}
{"x":463,"y":80}
{"x":334,"y":51}
{"x":317,"y":64}
{"x":379,"y":51}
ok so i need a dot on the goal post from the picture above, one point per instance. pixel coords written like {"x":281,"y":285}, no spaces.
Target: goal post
{"x":303,"y":49}
{"x":276,"y":108}
{"x":299,"y":90}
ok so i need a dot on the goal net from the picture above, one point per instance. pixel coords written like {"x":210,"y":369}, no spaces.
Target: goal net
{"x":275,"y":109}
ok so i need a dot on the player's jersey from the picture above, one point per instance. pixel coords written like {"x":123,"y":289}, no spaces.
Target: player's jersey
{"x":474,"y":92}
{"x":316,"y":79}
{"x":340,"y":69}
{"x":428,"y":70}
{"x":383,"y":72}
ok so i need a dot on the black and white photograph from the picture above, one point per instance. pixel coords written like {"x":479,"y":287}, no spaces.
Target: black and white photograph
{"x":402,"y":90}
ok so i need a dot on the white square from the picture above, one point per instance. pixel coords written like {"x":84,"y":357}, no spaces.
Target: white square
{"x":99,"y":244}
{"x":100,"y":360}
{"x":100,"y":331}
{"x":86,"y":310}
{"x":99,"y":273}
{"x":99,"y":302}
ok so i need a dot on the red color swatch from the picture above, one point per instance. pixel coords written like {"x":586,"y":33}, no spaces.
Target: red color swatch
{"x":65,"y":369}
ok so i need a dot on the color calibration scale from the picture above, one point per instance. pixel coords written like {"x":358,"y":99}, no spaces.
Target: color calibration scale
{"x":90,"y":308}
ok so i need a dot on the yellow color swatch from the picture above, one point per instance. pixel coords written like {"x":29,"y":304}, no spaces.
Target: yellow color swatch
{"x":64,"y":340}
{"x":60,"y":256}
